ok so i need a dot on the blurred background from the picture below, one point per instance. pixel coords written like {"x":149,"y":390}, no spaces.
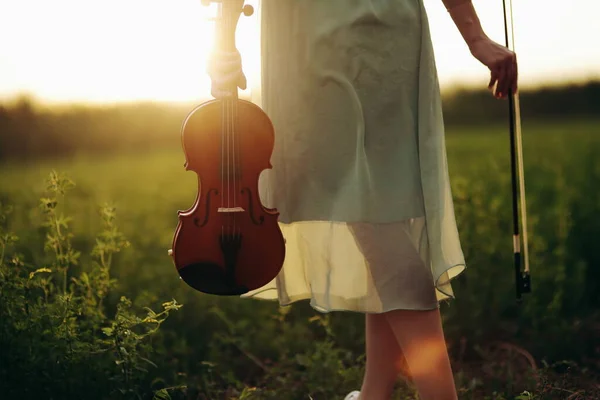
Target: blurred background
{"x":98,"y":90}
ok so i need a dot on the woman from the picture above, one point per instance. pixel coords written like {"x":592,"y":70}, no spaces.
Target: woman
{"x":360,"y":173}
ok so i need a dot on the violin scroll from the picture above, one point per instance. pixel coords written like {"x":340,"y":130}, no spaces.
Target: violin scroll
{"x":247,"y":9}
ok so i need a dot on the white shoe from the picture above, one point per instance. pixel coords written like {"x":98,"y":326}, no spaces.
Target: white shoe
{"x":352,"y":395}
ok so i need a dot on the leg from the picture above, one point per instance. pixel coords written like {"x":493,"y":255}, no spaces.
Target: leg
{"x":417,"y":335}
{"x":421,"y":339}
{"x":384,"y":359}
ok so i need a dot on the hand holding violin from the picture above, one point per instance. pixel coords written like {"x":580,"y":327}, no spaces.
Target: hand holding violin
{"x":225,"y":71}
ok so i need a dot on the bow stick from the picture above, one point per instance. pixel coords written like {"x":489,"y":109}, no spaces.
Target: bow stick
{"x":522,"y":278}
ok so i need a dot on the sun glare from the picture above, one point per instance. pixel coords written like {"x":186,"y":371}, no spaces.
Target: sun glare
{"x":114,"y":50}
{"x":128,"y":50}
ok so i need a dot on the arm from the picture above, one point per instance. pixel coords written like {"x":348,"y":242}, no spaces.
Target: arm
{"x":465,"y":18}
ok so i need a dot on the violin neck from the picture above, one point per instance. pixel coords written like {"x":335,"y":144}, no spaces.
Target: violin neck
{"x":230,"y":11}
{"x":225,"y":38}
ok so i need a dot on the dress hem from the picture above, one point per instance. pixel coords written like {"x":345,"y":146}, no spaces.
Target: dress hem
{"x":307,"y":296}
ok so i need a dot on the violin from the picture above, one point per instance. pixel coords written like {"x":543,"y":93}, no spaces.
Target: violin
{"x":228,"y":243}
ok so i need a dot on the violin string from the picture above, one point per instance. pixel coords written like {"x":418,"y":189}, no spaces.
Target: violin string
{"x":232,"y":122}
{"x":228,"y":102}
{"x":233,"y":103}
{"x":219,"y":35}
{"x":229,"y":144}
{"x":236,"y":154}
{"x":234,"y":168}
{"x":230,"y":138}
{"x":228,"y":106}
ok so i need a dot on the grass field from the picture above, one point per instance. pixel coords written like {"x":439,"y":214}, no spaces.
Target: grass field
{"x":222,"y":348}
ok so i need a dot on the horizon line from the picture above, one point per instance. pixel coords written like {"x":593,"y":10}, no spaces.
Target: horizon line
{"x":446,"y":89}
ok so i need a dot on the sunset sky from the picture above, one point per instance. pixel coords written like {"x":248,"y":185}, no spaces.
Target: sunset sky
{"x":124,"y":50}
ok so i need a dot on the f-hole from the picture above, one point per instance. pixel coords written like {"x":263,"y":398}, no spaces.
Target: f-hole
{"x":197,"y":220}
{"x":261,"y":218}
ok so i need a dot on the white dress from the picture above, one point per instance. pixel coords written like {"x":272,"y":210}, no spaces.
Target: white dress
{"x":359,"y":172}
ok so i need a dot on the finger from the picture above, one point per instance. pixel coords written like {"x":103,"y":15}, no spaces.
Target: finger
{"x":226,"y":79}
{"x":493,"y":80}
{"x":226,"y":56}
{"x":230,"y":64}
{"x":223,"y":63}
{"x":219,"y":68}
{"x":242,"y":82}
{"x":501,"y":83}
{"x":218,"y":93}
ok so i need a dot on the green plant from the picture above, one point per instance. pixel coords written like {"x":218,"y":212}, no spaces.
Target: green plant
{"x":56,"y":336}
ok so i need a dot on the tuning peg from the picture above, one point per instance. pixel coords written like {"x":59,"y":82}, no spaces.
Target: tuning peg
{"x":248,"y":10}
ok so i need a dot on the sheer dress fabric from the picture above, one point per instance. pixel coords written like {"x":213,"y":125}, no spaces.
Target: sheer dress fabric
{"x":360,"y":173}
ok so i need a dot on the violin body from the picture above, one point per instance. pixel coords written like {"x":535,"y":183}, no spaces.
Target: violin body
{"x":228,"y":243}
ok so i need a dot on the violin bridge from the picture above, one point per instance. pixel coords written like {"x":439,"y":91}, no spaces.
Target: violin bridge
{"x":230,"y":209}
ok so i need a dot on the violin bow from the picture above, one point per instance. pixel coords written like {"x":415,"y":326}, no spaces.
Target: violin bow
{"x":522,"y":277}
